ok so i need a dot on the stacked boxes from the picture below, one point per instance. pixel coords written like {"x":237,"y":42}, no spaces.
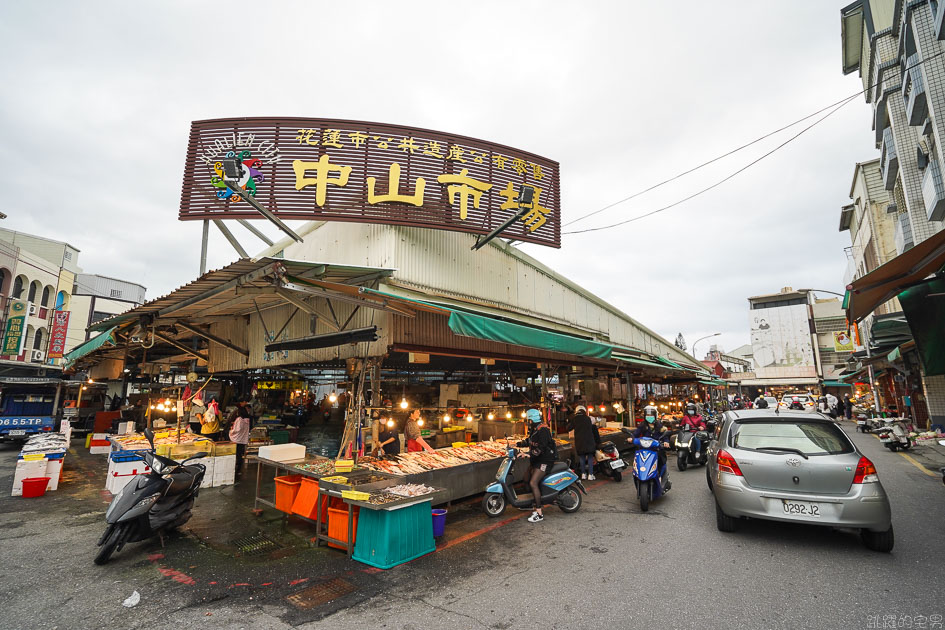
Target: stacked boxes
{"x":26,"y":469}
{"x":99,"y":444}
{"x":209,"y":463}
{"x":123,"y":466}
{"x":41,"y":456}
{"x":224,"y":470}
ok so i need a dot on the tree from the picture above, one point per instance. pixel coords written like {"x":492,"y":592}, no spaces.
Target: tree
{"x":681,"y":342}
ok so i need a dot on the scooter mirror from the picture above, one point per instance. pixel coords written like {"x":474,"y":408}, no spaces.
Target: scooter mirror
{"x":199,"y":455}
{"x":148,"y":433}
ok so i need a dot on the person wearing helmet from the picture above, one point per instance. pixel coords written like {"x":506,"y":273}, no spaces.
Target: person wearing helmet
{"x":541,"y":455}
{"x":651,"y":429}
{"x":586,"y":441}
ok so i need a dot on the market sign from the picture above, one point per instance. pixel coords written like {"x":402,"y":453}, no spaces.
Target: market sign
{"x":15,"y":332}
{"x":340,"y":170}
{"x":290,"y":385}
{"x":57,"y":336}
{"x":842,"y":342}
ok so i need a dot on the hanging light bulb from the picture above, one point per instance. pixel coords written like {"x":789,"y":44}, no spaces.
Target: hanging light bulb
{"x":167,"y":403}
{"x":524,"y":414}
{"x":508,"y":415}
{"x":390,"y":423}
{"x":603,"y":408}
{"x":420,"y":422}
{"x":403,"y":403}
{"x":468,"y":418}
{"x":446,"y":417}
{"x":491,"y":416}
{"x":160,"y":407}
{"x":152,"y":406}
{"x":332,"y":397}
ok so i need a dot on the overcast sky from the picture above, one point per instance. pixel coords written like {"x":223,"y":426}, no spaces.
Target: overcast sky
{"x":97,"y":100}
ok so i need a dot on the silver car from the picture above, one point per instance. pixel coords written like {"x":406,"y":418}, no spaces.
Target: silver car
{"x":798,"y":467}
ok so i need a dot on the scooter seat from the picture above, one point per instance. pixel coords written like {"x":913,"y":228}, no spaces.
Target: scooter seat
{"x":557,"y":467}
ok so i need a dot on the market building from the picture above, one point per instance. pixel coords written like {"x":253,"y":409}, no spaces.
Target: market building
{"x":896,"y":48}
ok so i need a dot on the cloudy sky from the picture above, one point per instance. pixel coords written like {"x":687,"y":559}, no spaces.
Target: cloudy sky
{"x":98,"y":97}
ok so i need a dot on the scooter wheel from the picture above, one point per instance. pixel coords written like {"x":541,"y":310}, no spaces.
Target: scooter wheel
{"x":681,"y":463}
{"x":110,"y":544}
{"x":618,"y":476}
{"x":645,"y":490}
{"x":493,"y":504}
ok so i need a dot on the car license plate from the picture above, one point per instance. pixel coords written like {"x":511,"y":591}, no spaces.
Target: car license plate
{"x":800,"y":508}
{"x":617,"y":463}
{"x":17,"y":432}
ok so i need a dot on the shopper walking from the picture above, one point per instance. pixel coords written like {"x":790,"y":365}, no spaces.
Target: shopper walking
{"x":585,"y":444}
{"x":239,"y":435}
{"x":848,"y":406}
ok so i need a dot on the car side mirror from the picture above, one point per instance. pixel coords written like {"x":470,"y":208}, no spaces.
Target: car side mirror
{"x":148,"y":433}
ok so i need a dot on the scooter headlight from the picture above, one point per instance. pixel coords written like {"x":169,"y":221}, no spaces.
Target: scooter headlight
{"x":682,"y":444}
{"x":148,"y":501}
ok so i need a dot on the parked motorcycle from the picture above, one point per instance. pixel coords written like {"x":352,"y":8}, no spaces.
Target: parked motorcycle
{"x":560,"y":486}
{"x":609,"y":461}
{"x":650,"y":479}
{"x":691,"y":448}
{"x":152,"y":503}
{"x":894,"y":435}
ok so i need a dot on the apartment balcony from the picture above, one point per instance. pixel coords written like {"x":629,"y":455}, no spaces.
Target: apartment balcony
{"x":889,"y":160}
{"x":938,"y":17}
{"x":913,"y":92}
{"x":933,"y":191}
{"x":903,"y":234}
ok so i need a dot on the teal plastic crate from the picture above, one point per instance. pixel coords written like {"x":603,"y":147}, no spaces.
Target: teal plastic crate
{"x":279,"y":436}
{"x":387,"y":538}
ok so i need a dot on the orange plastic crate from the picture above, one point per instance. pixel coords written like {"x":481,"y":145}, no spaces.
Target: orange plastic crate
{"x":287,"y":487}
{"x":338,"y":526}
{"x":305,"y":500}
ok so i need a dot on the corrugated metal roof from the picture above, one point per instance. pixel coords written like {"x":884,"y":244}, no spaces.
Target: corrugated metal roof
{"x":198,"y":296}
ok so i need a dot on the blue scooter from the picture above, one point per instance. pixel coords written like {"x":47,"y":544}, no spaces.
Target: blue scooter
{"x":651,"y":480}
{"x":560,"y":487}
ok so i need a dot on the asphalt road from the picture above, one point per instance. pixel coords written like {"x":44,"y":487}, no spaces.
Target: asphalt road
{"x":607,"y":566}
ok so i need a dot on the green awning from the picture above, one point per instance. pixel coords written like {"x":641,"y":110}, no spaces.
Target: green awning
{"x":836,"y":384}
{"x":480,"y":327}
{"x":714,"y":382}
{"x":678,"y":366}
{"x":638,"y":361}
{"x":924,"y":307}
{"x":89,"y":346}
{"x":895,"y":355}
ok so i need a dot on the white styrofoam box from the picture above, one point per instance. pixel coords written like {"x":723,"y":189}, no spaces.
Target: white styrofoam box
{"x":228,"y":478}
{"x":126,"y":427}
{"x":227,"y":463}
{"x":100,"y":450}
{"x":129,"y":468}
{"x":117,"y":482}
{"x":99,"y":436}
{"x":53,"y":469}
{"x":208,"y":463}
{"x":25,"y":470}
{"x":282,"y":452}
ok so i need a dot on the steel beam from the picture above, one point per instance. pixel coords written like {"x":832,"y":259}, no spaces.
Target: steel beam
{"x":211,"y":337}
{"x":232,"y":239}
{"x":180,"y":346}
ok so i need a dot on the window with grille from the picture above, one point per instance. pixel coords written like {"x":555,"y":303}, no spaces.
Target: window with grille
{"x":830,"y":324}
{"x":115,"y":293}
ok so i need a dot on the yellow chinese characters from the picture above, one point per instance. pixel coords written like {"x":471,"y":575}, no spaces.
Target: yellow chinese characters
{"x":465,"y":187}
{"x":535,"y":217}
{"x":393,"y":189}
{"x":323,"y":168}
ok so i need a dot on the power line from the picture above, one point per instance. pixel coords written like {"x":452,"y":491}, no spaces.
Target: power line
{"x":838,"y":104}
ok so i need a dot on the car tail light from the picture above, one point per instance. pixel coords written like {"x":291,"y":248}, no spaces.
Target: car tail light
{"x":865,"y":472}
{"x":47,"y":428}
{"x":728,"y":464}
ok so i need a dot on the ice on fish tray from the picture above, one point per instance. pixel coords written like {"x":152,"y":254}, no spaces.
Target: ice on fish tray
{"x":410,"y":490}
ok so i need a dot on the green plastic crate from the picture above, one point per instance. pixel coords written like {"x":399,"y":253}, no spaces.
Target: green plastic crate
{"x":279,"y":437}
{"x":387,"y":538}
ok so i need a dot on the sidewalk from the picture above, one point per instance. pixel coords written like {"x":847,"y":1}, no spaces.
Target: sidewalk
{"x":929,"y":453}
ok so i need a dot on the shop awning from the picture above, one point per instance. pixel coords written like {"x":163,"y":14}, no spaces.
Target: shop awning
{"x":776,"y":382}
{"x":678,"y":366}
{"x":924,"y":306}
{"x":836,"y":384}
{"x":714,"y":382}
{"x":481,"y":327}
{"x":889,"y":280}
{"x":895,"y":355}
{"x":639,"y":361}
{"x":89,"y":346}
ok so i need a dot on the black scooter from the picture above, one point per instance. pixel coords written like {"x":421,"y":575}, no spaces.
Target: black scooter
{"x":691,"y":448}
{"x":151,"y":504}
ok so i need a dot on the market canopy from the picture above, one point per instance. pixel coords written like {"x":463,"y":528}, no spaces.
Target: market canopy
{"x":481,"y":327}
{"x":889,"y":280}
{"x":924,"y":306}
{"x":89,"y":346}
{"x":836,"y":384}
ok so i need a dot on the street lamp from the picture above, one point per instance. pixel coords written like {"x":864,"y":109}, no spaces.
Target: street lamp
{"x":700,"y":339}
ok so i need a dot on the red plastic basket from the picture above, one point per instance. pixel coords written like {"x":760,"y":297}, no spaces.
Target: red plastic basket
{"x":34,"y":487}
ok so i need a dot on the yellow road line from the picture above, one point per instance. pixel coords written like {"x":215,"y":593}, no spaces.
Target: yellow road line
{"x":919,"y":466}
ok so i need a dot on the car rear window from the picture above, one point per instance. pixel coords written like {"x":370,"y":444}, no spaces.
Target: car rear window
{"x":810,"y":438}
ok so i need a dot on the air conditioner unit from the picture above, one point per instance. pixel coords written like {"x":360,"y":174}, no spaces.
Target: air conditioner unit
{"x":37,"y":355}
{"x":33,"y":309}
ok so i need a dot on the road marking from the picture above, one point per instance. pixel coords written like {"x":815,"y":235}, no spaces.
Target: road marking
{"x":919,"y":466}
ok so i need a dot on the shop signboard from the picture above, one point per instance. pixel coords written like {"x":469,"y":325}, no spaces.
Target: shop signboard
{"x":15,"y":332}
{"x":291,"y":385}
{"x":781,"y":342}
{"x":57,"y":336}
{"x":842,"y":342}
{"x":340,"y":170}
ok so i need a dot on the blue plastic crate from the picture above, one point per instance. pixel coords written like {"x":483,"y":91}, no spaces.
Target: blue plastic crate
{"x":125,"y":456}
{"x":387,"y":538}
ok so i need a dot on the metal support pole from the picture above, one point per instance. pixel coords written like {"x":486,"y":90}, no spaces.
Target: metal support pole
{"x":630,"y":397}
{"x":232,"y":239}
{"x":249,"y":226}
{"x":203,"y":246}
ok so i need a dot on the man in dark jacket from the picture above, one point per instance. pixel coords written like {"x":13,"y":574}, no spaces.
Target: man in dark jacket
{"x":586,"y":441}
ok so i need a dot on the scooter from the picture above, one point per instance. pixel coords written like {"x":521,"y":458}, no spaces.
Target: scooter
{"x":609,"y":461}
{"x":651,"y":480}
{"x":691,"y":448}
{"x":152,"y":503}
{"x":894,"y":435}
{"x":560,"y":486}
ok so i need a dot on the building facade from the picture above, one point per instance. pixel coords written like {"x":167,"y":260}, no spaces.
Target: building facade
{"x":45,"y":273}
{"x":898,"y":49}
